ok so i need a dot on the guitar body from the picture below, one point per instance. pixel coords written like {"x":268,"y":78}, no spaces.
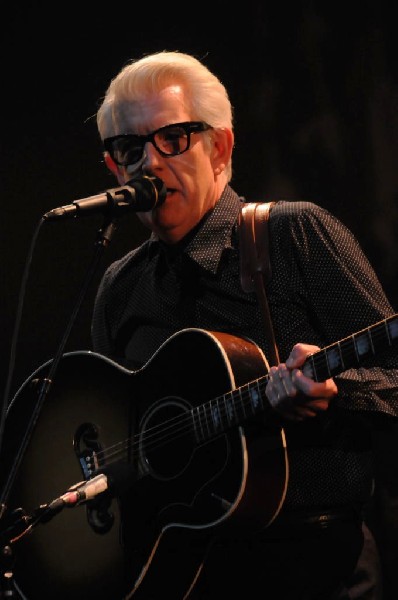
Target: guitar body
{"x":187,"y":484}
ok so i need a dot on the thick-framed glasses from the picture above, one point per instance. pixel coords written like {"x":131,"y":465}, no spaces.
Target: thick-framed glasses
{"x":170,"y":140}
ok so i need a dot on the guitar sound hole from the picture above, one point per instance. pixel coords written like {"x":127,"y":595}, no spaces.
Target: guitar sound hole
{"x":166,"y":439}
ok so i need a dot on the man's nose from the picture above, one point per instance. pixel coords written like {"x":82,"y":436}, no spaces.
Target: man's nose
{"x":151,"y":157}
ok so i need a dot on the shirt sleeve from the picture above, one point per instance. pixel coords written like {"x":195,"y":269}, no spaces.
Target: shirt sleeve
{"x":343,"y":295}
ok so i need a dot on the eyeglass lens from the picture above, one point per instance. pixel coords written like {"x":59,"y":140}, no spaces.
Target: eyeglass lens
{"x":169,"y":141}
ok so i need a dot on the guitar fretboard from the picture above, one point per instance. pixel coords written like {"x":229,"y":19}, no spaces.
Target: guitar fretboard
{"x":352,"y":350}
{"x":237,"y":406}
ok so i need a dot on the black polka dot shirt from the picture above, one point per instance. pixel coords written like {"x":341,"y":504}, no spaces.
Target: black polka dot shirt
{"x":322,"y":290}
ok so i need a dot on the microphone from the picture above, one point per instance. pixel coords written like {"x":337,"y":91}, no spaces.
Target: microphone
{"x":86,"y":490}
{"x":137,"y":195}
{"x":114,"y":479}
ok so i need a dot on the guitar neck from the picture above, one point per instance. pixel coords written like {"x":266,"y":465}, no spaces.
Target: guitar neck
{"x":237,"y":406}
{"x":352,"y":350}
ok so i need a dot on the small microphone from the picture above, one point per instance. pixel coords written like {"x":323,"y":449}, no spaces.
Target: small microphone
{"x":137,"y":195}
{"x":86,"y":490}
{"x":114,"y":479}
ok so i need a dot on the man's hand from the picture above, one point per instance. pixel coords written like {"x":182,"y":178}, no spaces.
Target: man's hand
{"x":291,"y":393}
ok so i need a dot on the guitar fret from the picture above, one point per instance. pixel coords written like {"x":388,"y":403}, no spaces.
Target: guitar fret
{"x":255,"y":398}
{"x":335,"y":360}
{"x":199,"y":435}
{"x":364,"y":344}
{"x":388,"y":333}
{"x":206,"y":419}
{"x":355,"y":348}
{"x":341,"y":356}
{"x":229,"y":408}
{"x":327,"y":363}
{"x":349,"y":351}
{"x":383,"y":336}
{"x":240,"y":413}
{"x":203,"y":421}
{"x":371,"y":340}
{"x":261,"y":391}
{"x":215,"y":416}
{"x":309,"y":368}
{"x":242,"y":404}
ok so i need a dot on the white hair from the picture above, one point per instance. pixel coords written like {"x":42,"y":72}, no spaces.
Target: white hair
{"x":208,"y":98}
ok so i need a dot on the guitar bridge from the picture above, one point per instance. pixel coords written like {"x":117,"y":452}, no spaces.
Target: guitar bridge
{"x":87,"y":447}
{"x":89,"y":465}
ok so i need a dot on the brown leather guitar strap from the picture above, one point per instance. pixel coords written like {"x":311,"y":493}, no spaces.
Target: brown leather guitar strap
{"x":255,"y":265}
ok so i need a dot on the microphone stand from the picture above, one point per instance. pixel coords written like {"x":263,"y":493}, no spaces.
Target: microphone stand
{"x":7,"y":588}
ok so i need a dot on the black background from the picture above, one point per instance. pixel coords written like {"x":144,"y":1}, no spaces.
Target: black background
{"x":314,"y":88}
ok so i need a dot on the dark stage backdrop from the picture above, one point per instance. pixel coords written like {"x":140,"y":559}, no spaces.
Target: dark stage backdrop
{"x":314,"y":87}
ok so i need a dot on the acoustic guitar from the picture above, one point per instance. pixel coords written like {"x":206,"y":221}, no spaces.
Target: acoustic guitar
{"x":187,"y":442}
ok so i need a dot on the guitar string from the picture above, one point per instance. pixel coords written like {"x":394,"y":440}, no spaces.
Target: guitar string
{"x":181,"y":425}
{"x":188,"y":417}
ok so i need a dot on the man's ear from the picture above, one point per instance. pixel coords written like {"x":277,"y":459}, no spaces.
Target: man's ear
{"x":222,"y":150}
{"x":113,"y":167}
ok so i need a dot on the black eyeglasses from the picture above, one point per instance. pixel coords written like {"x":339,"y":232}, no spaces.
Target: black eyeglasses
{"x":170,"y":140}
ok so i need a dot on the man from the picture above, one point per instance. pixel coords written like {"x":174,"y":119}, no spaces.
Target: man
{"x":167,"y":116}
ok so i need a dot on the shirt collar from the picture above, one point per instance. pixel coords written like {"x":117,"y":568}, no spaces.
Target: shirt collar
{"x":208,"y":243}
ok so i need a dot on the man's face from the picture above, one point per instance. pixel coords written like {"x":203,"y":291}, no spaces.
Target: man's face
{"x":194,"y":179}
